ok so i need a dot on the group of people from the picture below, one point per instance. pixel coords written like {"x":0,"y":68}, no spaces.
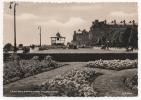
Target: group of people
{"x":106,"y":46}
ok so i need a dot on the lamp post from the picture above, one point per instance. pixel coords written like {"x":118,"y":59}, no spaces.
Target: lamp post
{"x":39,"y":27}
{"x":14,"y":8}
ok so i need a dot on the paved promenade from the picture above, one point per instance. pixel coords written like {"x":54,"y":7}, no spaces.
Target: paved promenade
{"x":84,"y":50}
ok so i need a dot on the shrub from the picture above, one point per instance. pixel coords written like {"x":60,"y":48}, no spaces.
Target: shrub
{"x":132,"y":83}
{"x":113,"y":64}
{"x":25,"y":68}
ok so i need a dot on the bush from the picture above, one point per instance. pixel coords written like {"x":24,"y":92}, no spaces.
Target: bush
{"x":132,"y":83}
{"x":8,"y":47}
{"x":113,"y":64}
{"x":26,"y":49}
{"x":25,"y":68}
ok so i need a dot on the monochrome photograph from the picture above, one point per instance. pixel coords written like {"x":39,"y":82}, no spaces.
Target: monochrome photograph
{"x":70,"y":49}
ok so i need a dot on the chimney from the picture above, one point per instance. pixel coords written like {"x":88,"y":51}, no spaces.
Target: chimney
{"x":124,"y":22}
{"x":105,"y":21}
{"x":115,"y":22}
{"x":133,"y":22}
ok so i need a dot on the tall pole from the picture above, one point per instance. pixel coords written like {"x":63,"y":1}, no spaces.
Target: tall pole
{"x":40,"y":36}
{"x":14,"y":4}
{"x":39,"y":27}
{"x":15,"y":45}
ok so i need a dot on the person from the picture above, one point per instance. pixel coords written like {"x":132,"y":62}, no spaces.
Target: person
{"x":103,"y":47}
{"x":107,"y":45}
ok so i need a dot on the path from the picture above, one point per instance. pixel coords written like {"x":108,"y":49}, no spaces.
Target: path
{"x":83,"y":50}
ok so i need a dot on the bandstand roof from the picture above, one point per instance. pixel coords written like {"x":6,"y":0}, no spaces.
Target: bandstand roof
{"x":58,"y":35}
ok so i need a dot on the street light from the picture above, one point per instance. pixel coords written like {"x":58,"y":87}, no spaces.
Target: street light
{"x":39,"y":27}
{"x":14,"y":4}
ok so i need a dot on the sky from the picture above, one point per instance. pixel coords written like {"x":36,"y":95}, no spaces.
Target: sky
{"x":64,"y":18}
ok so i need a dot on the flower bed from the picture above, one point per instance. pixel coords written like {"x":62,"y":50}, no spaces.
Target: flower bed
{"x":113,"y":64}
{"x":74,"y":83}
{"x":18,"y":69}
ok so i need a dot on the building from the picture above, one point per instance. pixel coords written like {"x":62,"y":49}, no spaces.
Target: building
{"x":100,"y":32}
{"x":58,"y":40}
{"x":80,"y":38}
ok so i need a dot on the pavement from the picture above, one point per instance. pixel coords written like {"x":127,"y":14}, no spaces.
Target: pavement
{"x":83,"y":50}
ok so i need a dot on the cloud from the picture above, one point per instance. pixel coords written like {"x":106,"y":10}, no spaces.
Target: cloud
{"x":27,"y":16}
{"x":123,"y":14}
{"x":51,"y":27}
{"x":7,"y":16}
{"x":73,"y":21}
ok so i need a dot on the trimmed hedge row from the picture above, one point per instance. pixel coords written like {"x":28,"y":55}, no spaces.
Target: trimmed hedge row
{"x":76,"y":57}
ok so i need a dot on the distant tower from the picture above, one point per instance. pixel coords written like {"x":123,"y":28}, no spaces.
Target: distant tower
{"x":115,"y":22}
{"x":133,"y":22}
{"x":74,"y":36}
{"x":124,"y":23}
{"x":105,"y":21}
{"x":96,"y":21}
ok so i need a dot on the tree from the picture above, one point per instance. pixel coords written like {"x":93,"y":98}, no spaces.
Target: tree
{"x":8,"y":47}
{"x":103,"y":40}
{"x":133,"y":39}
{"x":20,"y":45}
{"x":58,"y":34}
{"x":115,"y":39}
{"x":124,"y":37}
{"x":129,"y":37}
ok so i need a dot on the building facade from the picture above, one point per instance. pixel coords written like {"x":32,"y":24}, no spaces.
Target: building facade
{"x":100,"y":32}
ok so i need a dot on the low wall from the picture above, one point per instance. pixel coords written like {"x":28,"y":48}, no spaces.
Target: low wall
{"x":77,"y":57}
